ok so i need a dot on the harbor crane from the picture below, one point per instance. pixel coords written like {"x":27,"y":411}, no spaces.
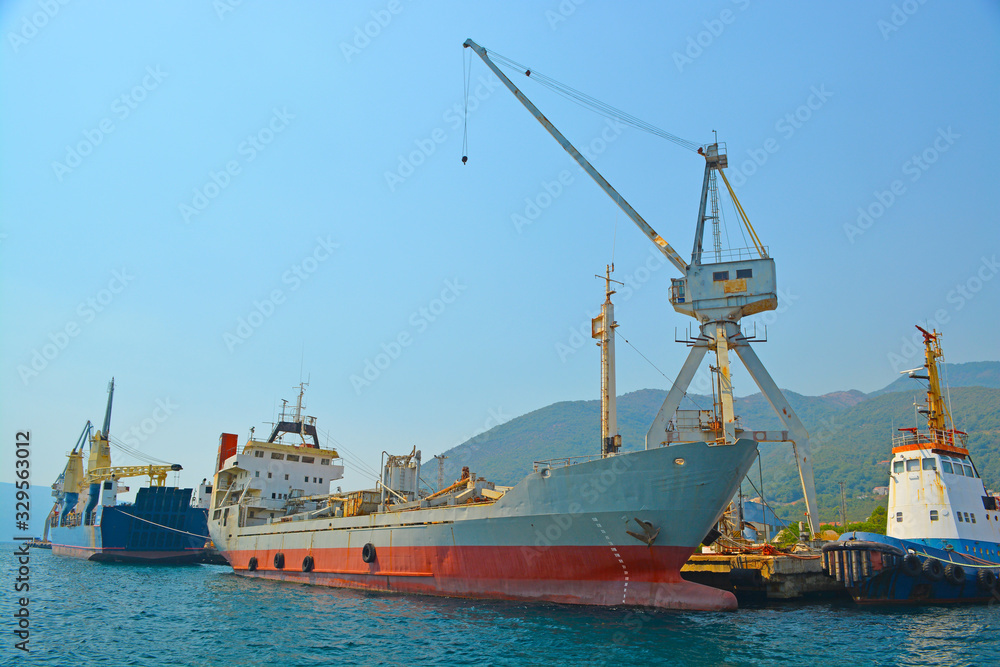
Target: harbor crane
{"x":99,"y":468}
{"x":717,"y":294}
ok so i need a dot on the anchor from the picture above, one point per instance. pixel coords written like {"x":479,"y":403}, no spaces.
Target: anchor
{"x":648,"y":532}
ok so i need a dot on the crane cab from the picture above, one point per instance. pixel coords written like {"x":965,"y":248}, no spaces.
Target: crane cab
{"x":726,"y":290}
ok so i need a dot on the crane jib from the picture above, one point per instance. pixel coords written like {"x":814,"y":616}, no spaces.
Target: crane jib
{"x":633,"y":215}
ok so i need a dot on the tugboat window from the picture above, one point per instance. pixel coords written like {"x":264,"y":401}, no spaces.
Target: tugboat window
{"x":719,"y":276}
{"x":934,"y":515}
{"x":744,"y":273}
{"x":929,"y":464}
{"x":897,"y":466}
{"x":899,"y":517}
{"x":946,"y":465}
{"x":912,"y":464}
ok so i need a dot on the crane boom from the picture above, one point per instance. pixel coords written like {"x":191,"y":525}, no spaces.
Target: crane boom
{"x":660,"y":242}
{"x":157,"y":474}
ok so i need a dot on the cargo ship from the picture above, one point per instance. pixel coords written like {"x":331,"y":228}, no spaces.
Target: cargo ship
{"x":164,"y":525}
{"x":942,"y":541}
{"x":611,"y":529}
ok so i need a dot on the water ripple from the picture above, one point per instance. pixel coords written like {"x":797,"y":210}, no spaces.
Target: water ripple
{"x":87,"y":614}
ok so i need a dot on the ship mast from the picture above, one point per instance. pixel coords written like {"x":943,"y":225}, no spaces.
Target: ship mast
{"x":936,"y":410}
{"x":603,"y":328}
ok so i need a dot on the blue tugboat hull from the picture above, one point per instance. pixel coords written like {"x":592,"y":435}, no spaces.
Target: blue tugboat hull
{"x":877,"y":569}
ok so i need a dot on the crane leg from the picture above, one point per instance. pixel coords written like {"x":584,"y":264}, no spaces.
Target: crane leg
{"x":728,"y":416}
{"x":797,"y":432}
{"x":657,"y":431}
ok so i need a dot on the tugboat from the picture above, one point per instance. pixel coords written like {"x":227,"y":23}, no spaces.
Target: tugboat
{"x":163,"y":525}
{"x":942,"y":542}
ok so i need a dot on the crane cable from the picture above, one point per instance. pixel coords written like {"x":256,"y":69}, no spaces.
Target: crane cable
{"x":466,"y":76}
{"x":608,"y":111}
{"x":593,"y":104}
{"x":686,"y":395}
{"x":135,"y":453}
{"x":743,"y":215}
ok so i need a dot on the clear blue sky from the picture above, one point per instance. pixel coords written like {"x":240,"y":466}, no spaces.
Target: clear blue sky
{"x":168,"y":169}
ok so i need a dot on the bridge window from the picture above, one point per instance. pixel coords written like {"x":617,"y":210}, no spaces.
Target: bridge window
{"x":259,"y":454}
{"x":899,"y":517}
{"x":959,"y":515}
{"x":929,"y":464}
{"x":292,"y":457}
{"x":269,"y":475}
{"x":286,"y":477}
{"x":744,"y":273}
{"x":897,"y":466}
{"x":973,"y":517}
{"x":256,"y":473}
{"x":719,"y":276}
{"x":934,"y":515}
{"x":324,"y":462}
{"x":276,"y":455}
{"x":946,"y":466}
{"x":307,"y":478}
{"x":308,"y":459}
{"x":912,"y":464}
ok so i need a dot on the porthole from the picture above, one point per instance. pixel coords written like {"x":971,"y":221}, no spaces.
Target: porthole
{"x":680,"y":461}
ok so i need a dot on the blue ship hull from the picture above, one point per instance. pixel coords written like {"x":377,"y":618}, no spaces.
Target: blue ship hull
{"x":160,"y":527}
{"x":877,"y":569}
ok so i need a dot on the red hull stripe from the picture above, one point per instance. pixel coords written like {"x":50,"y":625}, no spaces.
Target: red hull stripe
{"x":602,"y":575}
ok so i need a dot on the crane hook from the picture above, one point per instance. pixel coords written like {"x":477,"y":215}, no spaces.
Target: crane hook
{"x":465,"y":158}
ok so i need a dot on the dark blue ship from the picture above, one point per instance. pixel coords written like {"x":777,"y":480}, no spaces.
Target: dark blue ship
{"x":942,"y":542}
{"x":164,"y":524}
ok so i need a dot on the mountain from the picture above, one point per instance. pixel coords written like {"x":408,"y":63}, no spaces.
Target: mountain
{"x":850,"y":433}
{"x":972,"y":374}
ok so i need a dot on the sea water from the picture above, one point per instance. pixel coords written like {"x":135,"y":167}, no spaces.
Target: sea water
{"x":84,"y":613}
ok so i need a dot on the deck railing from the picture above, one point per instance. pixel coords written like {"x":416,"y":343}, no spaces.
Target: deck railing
{"x":563,"y":462}
{"x":931,"y":437}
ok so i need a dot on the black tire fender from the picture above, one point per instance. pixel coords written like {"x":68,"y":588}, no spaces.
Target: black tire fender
{"x":279,"y":560}
{"x":252,"y":565}
{"x":368,"y":553}
{"x":910,"y":565}
{"x":933,"y":569}
{"x":954,"y":574}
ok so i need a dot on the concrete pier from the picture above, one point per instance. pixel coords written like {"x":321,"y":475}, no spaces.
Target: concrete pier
{"x":774,"y":577}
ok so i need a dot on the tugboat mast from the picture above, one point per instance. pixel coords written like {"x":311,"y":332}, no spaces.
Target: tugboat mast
{"x":936,"y":409}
